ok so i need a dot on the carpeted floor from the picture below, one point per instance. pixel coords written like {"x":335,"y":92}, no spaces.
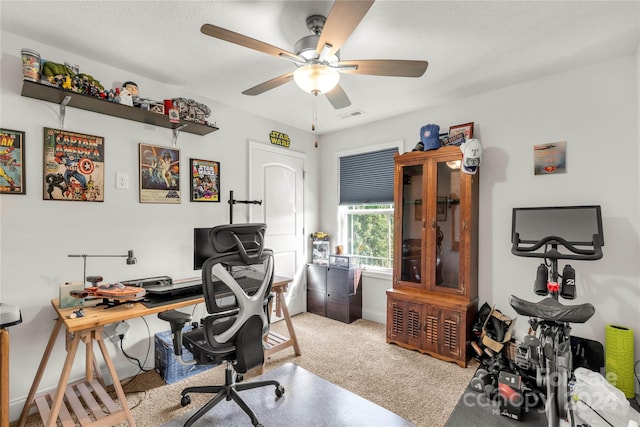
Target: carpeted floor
{"x":356,"y":357}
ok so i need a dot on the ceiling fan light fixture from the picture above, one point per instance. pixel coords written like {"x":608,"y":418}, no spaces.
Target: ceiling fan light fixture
{"x":316,"y":78}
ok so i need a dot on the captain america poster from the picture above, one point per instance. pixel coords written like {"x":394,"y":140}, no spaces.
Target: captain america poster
{"x":73,"y":166}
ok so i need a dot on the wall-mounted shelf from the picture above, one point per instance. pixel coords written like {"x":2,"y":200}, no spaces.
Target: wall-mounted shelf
{"x":97,"y":105}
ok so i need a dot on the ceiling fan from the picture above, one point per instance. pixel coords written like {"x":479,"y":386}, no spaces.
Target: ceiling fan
{"x":317,"y":55}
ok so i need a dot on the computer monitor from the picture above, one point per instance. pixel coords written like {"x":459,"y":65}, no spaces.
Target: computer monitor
{"x":202,"y":249}
{"x":578,"y":226}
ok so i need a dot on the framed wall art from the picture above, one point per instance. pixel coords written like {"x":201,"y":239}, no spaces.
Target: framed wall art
{"x":466,"y":129}
{"x":441,"y":208}
{"x":12,"y":165}
{"x":550,"y":158}
{"x":159,"y":174}
{"x":205,"y":180}
{"x":73,"y":166}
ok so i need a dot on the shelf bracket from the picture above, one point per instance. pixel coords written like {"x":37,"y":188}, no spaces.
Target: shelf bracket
{"x":63,"y":109}
{"x":176,"y":133}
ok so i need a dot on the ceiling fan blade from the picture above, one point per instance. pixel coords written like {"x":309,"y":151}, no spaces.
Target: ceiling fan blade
{"x":344,"y":17}
{"x":385,"y":67}
{"x":338,"y":98}
{"x":269,"y":84}
{"x":242,"y":40}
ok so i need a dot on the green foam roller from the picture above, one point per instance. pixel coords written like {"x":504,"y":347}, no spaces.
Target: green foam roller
{"x":619,"y":358}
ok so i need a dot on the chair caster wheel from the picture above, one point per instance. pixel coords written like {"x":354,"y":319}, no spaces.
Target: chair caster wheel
{"x":239,"y":377}
{"x":279,"y":391}
{"x":185,"y":400}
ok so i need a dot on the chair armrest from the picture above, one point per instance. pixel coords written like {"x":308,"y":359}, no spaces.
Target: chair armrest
{"x":177,"y":320}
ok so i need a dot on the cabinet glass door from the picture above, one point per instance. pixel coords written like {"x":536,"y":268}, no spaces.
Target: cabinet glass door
{"x":412,"y":224}
{"x":447,"y":232}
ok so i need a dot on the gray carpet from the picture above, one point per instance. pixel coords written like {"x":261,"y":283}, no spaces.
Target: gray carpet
{"x":356,"y":357}
{"x":308,"y":401}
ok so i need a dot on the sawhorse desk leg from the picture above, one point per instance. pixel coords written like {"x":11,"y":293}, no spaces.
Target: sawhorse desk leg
{"x":50,"y":414}
{"x":277,"y":342}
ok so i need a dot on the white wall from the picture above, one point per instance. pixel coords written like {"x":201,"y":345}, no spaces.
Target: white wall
{"x":594,"y":109}
{"x":37,"y":235}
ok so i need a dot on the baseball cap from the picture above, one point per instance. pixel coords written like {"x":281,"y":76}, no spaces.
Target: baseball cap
{"x":430,"y":136}
{"x":471,"y":155}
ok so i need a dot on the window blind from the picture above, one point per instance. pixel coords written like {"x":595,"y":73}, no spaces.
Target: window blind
{"x":367,"y":178}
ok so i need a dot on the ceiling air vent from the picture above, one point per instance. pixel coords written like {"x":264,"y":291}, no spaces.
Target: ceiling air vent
{"x":351,"y":114}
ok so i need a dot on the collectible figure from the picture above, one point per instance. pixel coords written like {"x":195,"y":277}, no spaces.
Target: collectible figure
{"x":133,"y":90}
{"x":124,"y":97}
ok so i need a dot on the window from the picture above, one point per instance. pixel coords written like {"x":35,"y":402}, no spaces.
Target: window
{"x":366,"y":204}
{"x":369,"y":234}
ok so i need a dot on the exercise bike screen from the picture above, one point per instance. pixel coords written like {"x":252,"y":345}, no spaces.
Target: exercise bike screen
{"x":575,"y":224}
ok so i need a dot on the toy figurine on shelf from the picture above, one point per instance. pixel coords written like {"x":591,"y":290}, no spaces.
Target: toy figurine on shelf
{"x":124,"y":97}
{"x":133,"y":90}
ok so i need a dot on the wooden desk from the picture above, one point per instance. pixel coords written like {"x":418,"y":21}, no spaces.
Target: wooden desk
{"x":277,"y":342}
{"x":88,"y":329}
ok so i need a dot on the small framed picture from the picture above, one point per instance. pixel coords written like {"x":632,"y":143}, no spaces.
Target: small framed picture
{"x":12,"y":165}
{"x":159,"y":174}
{"x":441,"y":209}
{"x":550,"y":158}
{"x":466,"y":129}
{"x":205,"y":180}
{"x":174,"y":115}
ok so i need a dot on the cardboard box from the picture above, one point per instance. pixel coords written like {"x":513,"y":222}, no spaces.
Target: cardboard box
{"x":490,"y":342}
{"x":166,"y":363}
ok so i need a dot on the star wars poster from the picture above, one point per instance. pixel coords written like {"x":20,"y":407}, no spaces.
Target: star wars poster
{"x":205,"y":181}
{"x":159,"y":174}
{"x":73,"y":166}
{"x":12,"y":172}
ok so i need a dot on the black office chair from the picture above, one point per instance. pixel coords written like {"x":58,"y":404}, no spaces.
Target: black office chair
{"x":236,"y":282}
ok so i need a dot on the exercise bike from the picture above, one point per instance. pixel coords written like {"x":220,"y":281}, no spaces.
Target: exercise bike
{"x":568,"y":233}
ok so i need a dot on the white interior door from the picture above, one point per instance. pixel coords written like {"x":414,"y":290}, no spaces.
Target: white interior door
{"x":277,"y":179}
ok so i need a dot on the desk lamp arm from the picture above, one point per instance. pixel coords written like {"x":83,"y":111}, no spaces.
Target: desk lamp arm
{"x":131,"y":260}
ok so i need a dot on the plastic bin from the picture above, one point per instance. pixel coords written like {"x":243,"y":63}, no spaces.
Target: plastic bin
{"x":166,"y":363}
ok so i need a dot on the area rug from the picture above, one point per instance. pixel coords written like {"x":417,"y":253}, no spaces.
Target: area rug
{"x":308,"y":401}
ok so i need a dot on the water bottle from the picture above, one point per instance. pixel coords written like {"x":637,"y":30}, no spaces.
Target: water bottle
{"x":540,"y":285}
{"x":568,"y":290}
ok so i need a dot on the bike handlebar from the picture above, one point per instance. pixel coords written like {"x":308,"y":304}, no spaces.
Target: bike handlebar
{"x":589,"y":254}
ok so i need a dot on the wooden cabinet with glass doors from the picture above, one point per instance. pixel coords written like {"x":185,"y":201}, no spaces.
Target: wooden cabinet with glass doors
{"x":434,"y":299}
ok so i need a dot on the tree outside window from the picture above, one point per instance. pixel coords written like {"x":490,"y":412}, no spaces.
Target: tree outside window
{"x":369,"y":230}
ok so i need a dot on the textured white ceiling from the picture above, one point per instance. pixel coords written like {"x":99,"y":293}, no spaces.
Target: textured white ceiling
{"x":472,"y":47}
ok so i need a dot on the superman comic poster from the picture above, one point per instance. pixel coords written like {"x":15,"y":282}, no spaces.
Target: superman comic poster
{"x":12,"y":166}
{"x":159,"y":174}
{"x":73,"y":166}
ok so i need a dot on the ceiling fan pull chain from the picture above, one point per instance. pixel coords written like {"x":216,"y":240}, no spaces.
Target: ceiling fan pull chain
{"x":314,"y":124}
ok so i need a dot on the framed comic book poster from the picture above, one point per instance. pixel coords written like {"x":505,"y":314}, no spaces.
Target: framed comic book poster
{"x":159,"y":174}
{"x":73,"y":166}
{"x":12,"y":165}
{"x":205,"y":180}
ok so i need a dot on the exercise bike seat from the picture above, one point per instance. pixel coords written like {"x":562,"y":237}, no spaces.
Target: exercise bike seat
{"x":550,"y":309}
